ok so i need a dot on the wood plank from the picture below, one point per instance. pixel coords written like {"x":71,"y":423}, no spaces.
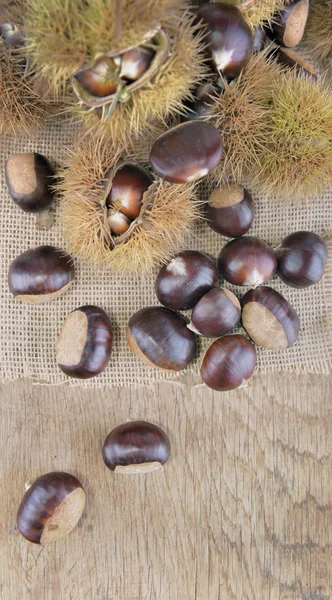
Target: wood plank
{"x":242,"y":510}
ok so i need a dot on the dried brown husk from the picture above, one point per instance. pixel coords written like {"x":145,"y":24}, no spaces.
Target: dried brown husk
{"x":276,"y":127}
{"x":168,"y":213}
{"x":318,"y":32}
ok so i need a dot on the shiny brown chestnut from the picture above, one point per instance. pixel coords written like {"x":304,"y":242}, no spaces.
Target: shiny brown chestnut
{"x":247,"y":261}
{"x":186,"y":152}
{"x":185,"y":279}
{"x":118,"y":222}
{"x":201,"y":107}
{"x":217,"y":313}
{"x":269,"y":319}
{"x":102,"y":79}
{"x":40,"y":274}
{"x":128,"y":186}
{"x":230,"y":210}
{"x":135,"y":62}
{"x":288,"y":26}
{"x":228,"y":363}
{"x":84,"y":345}
{"x":51,"y":508}
{"x":136,"y":447}
{"x":302,"y":257}
{"x":160,"y":337}
{"x":228,"y":37}
{"x":29,"y":177}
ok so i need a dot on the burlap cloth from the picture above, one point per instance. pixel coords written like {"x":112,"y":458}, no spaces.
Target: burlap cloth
{"x":29,"y":333}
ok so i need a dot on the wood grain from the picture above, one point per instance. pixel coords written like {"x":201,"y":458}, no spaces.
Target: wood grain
{"x":242,"y":511}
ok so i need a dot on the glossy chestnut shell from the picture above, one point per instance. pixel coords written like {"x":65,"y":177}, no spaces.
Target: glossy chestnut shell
{"x":187,"y":152}
{"x":161,"y":338}
{"x":288,"y":26}
{"x":228,"y":37}
{"x":85,"y":342}
{"x":136,"y":447}
{"x":185,"y":279}
{"x":302,"y":257}
{"x":230,"y":211}
{"x":228,"y":363}
{"x":269,"y":319}
{"x":128,"y":186}
{"x":29,"y":177}
{"x":40,"y":274}
{"x":216,"y":313}
{"x":247,"y":261}
{"x":51,"y":508}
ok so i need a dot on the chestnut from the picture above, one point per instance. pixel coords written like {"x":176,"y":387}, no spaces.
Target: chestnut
{"x":259,"y":40}
{"x":288,"y":25}
{"x":228,"y":37}
{"x":29,"y":177}
{"x":136,"y":447}
{"x":102,"y":79}
{"x":161,"y":338}
{"x":51,"y":508}
{"x":228,"y":363}
{"x":135,"y":62}
{"x":186,"y":152}
{"x":185,"y":279}
{"x":247,"y":261}
{"x":201,"y":107}
{"x":302,"y":256}
{"x":269,"y":319}
{"x":128,"y":186}
{"x":84,"y":345}
{"x":230,"y":210}
{"x":118,"y":222}
{"x":216,"y":313}
{"x":40,"y":274}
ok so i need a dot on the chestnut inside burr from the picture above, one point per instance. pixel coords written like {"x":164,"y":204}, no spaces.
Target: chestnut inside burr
{"x":289,"y":25}
{"x":125,"y":197}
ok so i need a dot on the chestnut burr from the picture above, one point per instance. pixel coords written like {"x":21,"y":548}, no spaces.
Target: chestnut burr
{"x":228,"y":363}
{"x":51,"y":508}
{"x":269,"y":319}
{"x":136,"y":447}
{"x":40,"y":274}
{"x":84,"y":345}
{"x":187,"y":152}
{"x":247,"y":261}
{"x":29,"y":177}
{"x":288,"y":26}
{"x":161,"y":338}
{"x":216,"y":313}
{"x":185,"y":279}
{"x":228,"y":37}
{"x":302,"y":257}
{"x":230,"y":210}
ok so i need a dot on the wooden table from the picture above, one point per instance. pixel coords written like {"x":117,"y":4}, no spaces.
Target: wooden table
{"x":243,"y":510}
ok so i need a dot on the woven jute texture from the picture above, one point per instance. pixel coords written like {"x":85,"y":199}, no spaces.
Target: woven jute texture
{"x":29,"y":333}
